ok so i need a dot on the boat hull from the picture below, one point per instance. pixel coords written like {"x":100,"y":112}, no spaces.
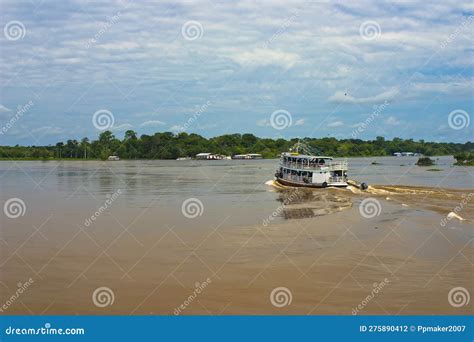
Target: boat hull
{"x":308,"y":185}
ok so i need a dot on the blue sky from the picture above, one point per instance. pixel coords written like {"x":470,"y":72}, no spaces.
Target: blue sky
{"x":217,"y":67}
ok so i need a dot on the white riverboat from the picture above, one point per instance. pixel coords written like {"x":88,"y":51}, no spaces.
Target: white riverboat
{"x":306,"y":170}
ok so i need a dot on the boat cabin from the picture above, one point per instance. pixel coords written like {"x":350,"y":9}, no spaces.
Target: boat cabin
{"x":312,"y":171}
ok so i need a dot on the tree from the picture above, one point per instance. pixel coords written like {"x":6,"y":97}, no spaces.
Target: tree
{"x":84,"y":146}
{"x":59,"y":146}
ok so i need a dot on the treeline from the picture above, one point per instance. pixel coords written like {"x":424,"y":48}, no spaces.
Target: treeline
{"x":171,"y":146}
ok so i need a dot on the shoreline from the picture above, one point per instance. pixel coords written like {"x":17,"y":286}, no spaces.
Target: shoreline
{"x":140,"y":159}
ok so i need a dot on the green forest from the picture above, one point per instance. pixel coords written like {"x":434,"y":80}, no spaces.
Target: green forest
{"x":166,"y":145}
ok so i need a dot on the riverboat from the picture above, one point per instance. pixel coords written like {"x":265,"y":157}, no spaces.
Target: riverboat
{"x":303,"y":170}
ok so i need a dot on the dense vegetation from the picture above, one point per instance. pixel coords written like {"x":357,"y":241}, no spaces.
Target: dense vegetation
{"x":170,"y":146}
{"x":425,"y":161}
{"x":464,"y":158}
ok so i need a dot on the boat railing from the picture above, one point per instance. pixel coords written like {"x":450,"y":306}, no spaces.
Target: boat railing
{"x":312,"y":166}
{"x":337,"y":179}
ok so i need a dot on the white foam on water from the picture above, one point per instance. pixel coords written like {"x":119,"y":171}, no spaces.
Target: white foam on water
{"x":454,"y":215}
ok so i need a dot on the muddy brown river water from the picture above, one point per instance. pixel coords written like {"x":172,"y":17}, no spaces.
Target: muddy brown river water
{"x":216,"y":238}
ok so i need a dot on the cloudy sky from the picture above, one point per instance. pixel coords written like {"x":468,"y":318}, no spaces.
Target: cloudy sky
{"x":272,"y":68}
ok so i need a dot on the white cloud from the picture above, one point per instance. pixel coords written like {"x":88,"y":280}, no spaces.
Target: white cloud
{"x":300,"y":122}
{"x":392,"y":121}
{"x":119,"y":46}
{"x":445,"y":87}
{"x":177,"y":128}
{"x":48,"y":130}
{"x":263,"y":57}
{"x":335,"y":124}
{"x":263,"y":123}
{"x":121,"y":127}
{"x":4,"y":109}
{"x":344,"y":97}
{"x":152,"y":123}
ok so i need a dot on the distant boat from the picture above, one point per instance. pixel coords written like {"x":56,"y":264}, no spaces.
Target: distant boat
{"x":113,"y":158}
{"x":247,"y":156}
{"x":210,"y":156}
{"x":406,"y":154}
{"x":184,"y":158}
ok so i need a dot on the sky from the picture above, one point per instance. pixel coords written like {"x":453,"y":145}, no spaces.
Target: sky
{"x":71,"y":69}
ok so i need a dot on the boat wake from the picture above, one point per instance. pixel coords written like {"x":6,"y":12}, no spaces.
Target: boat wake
{"x":451,"y":203}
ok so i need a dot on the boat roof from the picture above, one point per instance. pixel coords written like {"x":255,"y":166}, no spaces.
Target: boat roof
{"x":304,"y":156}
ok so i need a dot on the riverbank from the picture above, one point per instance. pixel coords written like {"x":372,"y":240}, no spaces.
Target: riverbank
{"x":267,"y":158}
{"x":167,"y":145}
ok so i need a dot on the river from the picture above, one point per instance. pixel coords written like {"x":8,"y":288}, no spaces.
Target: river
{"x":215,"y":237}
